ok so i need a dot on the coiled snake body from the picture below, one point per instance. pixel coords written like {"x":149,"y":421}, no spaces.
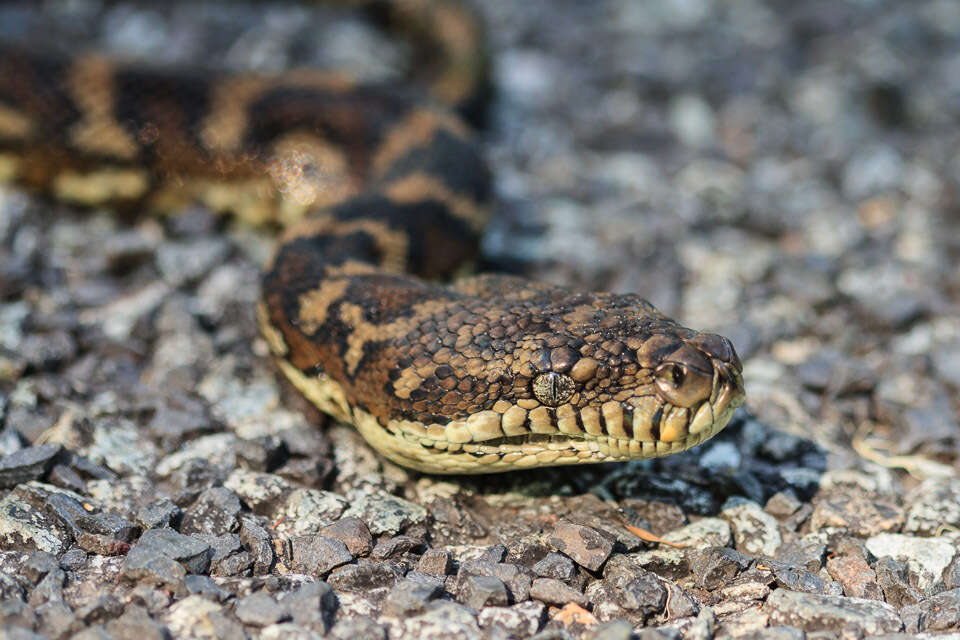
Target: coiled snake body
{"x":377,"y":187}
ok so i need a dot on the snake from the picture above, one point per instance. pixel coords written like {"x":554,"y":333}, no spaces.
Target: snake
{"x":379,"y":193}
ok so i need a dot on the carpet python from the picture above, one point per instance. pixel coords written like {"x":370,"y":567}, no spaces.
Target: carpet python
{"x":381,"y":194}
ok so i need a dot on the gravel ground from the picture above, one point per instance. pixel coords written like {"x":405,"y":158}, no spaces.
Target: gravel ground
{"x":781,"y":172}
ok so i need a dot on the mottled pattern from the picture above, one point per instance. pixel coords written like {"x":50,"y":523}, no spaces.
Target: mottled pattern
{"x":378,"y":186}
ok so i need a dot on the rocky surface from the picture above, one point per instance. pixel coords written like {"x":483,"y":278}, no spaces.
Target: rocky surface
{"x":784,"y":173}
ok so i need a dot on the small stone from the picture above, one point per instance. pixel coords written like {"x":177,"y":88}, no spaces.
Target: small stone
{"x":934,"y":503}
{"x":147,"y":566}
{"x":926,"y":558}
{"x":636,"y":589}
{"x":807,"y":553}
{"x":193,"y":554}
{"x":261,"y":491}
{"x":557,"y":566}
{"x":38,"y":564}
{"x":308,"y":511}
{"x":73,"y":559}
{"x":136,"y":624}
{"x":31,"y":463}
{"x":395,"y":547}
{"x":312,"y":605}
{"x":481,"y":591}
{"x":101,"y":609}
{"x":358,"y":628}
{"x":56,"y":619}
{"x":893,"y":578}
{"x":813,"y":612}
{"x":260,"y":544}
{"x":519,"y":621}
{"x":555,"y":592}
{"x":206,"y":587}
{"x":260,"y":609}
{"x":755,"y":531}
{"x":613,"y":630}
{"x":230,"y":558}
{"x":15,"y":612}
{"x":192,"y":613}
{"x":317,"y":555}
{"x":854,"y":512}
{"x":386,"y":514}
{"x":353,"y":533}
{"x":446,"y":620}
{"x":435,"y":561}
{"x":408,"y":597}
{"x":717,"y":566}
{"x":939,"y":613}
{"x":800,"y":580}
{"x":24,"y":527}
{"x":582,"y":544}
{"x":265,"y":453}
{"x":215,"y":512}
{"x":364,"y":576}
{"x":782,"y":504}
{"x":856,"y":576}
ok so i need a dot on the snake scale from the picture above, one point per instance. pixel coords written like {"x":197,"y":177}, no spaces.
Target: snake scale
{"x":382,"y":194}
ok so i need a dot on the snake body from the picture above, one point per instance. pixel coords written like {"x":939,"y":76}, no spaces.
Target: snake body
{"x":381,"y":191}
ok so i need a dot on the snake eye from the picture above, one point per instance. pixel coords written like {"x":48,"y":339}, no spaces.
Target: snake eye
{"x":553,"y":389}
{"x":682,"y":385}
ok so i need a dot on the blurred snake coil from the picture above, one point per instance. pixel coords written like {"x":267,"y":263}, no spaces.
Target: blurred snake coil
{"x":381,"y":195}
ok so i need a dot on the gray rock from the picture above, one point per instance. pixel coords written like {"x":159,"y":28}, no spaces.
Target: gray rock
{"x":24,"y":527}
{"x":556,"y":565}
{"x":755,"y":531}
{"x":148,"y":566}
{"x":204,"y":586}
{"x":926,"y":558}
{"x":555,"y":592}
{"x":939,"y":613}
{"x":409,"y":597}
{"x":935,"y":502}
{"x":386,"y":514}
{"x":717,"y":566}
{"x":260,"y":609}
{"x":56,"y":619}
{"x":193,"y":554}
{"x":261,"y":491}
{"x":214,"y":513}
{"x":358,"y":628}
{"x":257,"y":539}
{"x":38,"y":564}
{"x":481,"y":591}
{"x":584,"y":545}
{"x":31,"y":463}
{"x":73,"y":559}
{"x":518,"y":621}
{"x":318,"y":555}
{"x":814,"y":612}
{"x":101,"y":533}
{"x":196,"y":617}
{"x":447,"y":620}
{"x":308,"y":511}
{"x":353,"y":533}
{"x":893,"y":577}
{"x":364,"y":576}
{"x":435,"y":561}
{"x":613,"y":630}
{"x":189,"y":261}
{"x":312,"y":606}
{"x":136,"y":624}
{"x":14,"y":612}
{"x":395,"y":547}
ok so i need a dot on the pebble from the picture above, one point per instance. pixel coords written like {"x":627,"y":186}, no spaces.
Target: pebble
{"x":193,"y":554}
{"x":934,"y":503}
{"x":410,"y":597}
{"x":557,"y":566}
{"x":938,"y":613}
{"x":30,"y":463}
{"x":312,"y":606}
{"x":260,"y":609}
{"x":554,"y":592}
{"x":926,"y":558}
{"x":754,"y":530}
{"x":518,"y":621}
{"x":814,"y":612}
{"x":308,"y":511}
{"x":481,"y":591}
{"x":22,"y":526}
{"x":317,"y":555}
{"x":215,"y":511}
{"x":435,"y":561}
{"x":583,"y":545}
{"x":386,"y":514}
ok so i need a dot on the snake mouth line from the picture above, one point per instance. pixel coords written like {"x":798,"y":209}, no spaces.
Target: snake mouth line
{"x":644,"y":427}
